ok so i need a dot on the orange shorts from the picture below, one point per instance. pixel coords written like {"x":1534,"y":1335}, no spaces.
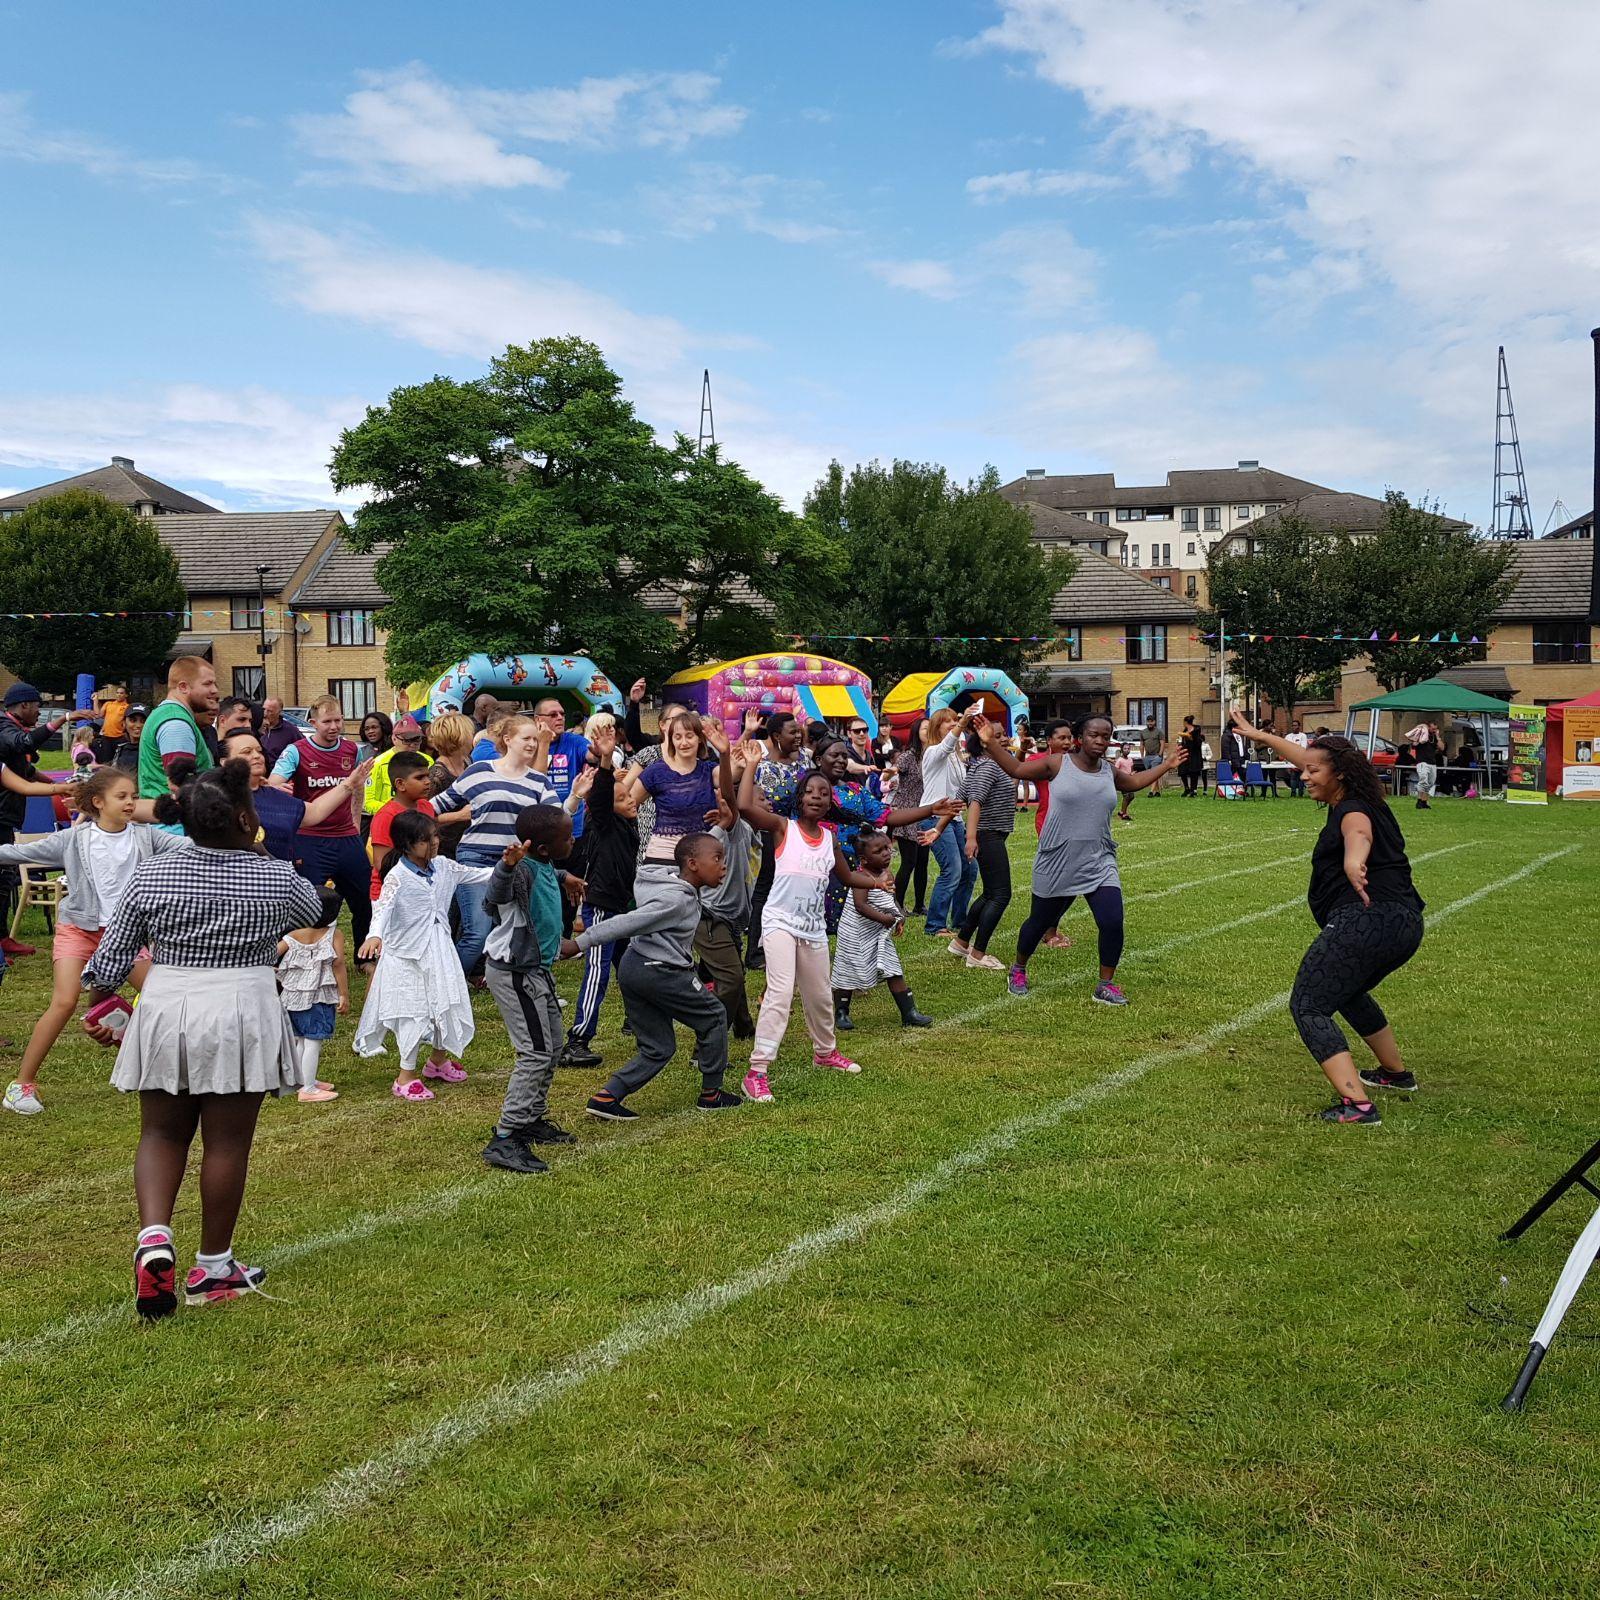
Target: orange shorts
{"x":74,"y":944}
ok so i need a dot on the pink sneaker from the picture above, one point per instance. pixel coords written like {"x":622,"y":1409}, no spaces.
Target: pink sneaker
{"x":415,"y":1090}
{"x":155,"y":1292}
{"x":837,"y":1060}
{"x":200,"y":1289}
{"x":756,"y":1086}
{"x":322,"y":1093}
{"x":449,"y":1070}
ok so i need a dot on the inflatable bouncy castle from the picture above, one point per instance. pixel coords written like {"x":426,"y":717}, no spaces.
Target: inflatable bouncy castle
{"x":812,"y":687}
{"x":573,"y":680}
{"x":923,"y":693}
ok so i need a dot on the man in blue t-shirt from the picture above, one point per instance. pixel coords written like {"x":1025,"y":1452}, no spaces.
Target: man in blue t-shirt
{"x":569,"y":753}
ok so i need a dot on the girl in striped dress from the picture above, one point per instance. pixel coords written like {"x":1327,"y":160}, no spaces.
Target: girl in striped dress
{"x":865,"y":952}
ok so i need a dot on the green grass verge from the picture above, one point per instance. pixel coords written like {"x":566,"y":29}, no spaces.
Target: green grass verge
{"x":1184,"y":1342}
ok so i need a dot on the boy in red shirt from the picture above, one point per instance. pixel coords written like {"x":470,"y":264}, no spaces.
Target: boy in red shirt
{"x":408,"y":772}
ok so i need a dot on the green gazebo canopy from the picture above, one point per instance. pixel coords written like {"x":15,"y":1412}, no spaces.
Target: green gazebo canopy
{"x":1434,"y":694}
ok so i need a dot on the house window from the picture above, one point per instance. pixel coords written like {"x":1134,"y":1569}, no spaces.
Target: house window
{"x":1191,"y":586}
{"x":1072,"y":643}
{"x":1141,"y":711}
{"x":1133,"y":555}
{"x":246,"y":611}
{"x":1560,"y":642}
{"x":1098,"y":546}
{"x":1275,"y":506}
{"x":1191,"y":516}
{"x":1166,"y":555}
{"x":1162,"y":515}
{"x":251,"y":682}
{"x":350,"y":627}
{"x":356,"y":696}
{"x":1162,"y":582}
{"x":1191,"y":547}
{"x":1241,"y":513}
{"x":1102,"y":517}
{"x":1213,"y":516}
{"x":1147,"y":641}
{"x":1130,"y":514}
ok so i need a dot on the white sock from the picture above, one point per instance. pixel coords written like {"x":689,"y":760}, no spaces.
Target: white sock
{"x":214,"y":1266}
{"x":146,"y":1234}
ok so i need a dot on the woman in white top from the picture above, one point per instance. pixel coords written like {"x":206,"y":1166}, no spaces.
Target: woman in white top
{"x":944,"y":772}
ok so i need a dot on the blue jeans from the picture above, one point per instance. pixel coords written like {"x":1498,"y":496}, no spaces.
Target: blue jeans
{"x":475,"y":923}
{"x":343,"y":863}
{"x":947,"y":905}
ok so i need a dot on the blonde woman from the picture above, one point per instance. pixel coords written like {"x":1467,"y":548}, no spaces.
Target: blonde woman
{"x":495,"y":792}
{"x":450,"y":741}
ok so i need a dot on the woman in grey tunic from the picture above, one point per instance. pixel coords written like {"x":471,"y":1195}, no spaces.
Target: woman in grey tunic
{"x":1076,"y":853}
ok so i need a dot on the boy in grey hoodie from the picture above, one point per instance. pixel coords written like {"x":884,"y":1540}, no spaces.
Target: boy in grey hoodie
{"x":658,"y":979}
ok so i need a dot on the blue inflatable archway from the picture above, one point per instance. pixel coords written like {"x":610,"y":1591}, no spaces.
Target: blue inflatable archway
{"x":574,"y":680}
{"x":973,"y":683}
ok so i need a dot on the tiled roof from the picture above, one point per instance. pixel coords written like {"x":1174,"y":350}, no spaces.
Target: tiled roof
{"x":1049,"y":523}
{"x":1581,"y":527}
{"x":121,"y":485}
{"x":1327,"y":511}
{"x":344,"y":577}
{"x":1103,"y":590}
{"x":218,"y":554}
{"x":1197,"y":486}
{"x":1552,"y":578}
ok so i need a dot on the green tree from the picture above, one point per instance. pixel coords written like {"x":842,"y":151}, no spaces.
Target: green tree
{"x":1426,"y":581}
{"x":78,"y":552}
{"x":923,"y":557}
{"x":532,"y":508}
{"x":1297,"y":581}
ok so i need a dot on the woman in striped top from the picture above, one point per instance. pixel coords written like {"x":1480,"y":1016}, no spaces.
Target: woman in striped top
{"x":497,"y":792}
{"x":208,"y":1038}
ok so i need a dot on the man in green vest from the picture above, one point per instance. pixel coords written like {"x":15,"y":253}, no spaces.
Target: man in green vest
{"x":171,"y":733}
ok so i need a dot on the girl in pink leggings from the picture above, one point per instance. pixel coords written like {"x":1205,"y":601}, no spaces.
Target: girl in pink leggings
{"x":793,"y":930}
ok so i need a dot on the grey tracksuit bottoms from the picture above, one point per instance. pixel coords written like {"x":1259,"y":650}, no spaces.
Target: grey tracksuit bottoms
{"x":527,"y":1002}
{"x":658,"y":995}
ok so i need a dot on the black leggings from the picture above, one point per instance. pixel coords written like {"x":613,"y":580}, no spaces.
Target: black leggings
{"x":984,"y":914}
{"x":913,"y":864}
{"x":1357,"y":949}
{"x":758,"y":898}
{"x":1191,"y":780}
{"x":1105,"y":905}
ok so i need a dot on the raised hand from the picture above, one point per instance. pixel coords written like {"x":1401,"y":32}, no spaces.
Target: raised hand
{"x":636,"y":693}
{"x":513,"y":854}
{"x":575,"y":889}
{"x":583,"y":783}
{"x":716,"y":735}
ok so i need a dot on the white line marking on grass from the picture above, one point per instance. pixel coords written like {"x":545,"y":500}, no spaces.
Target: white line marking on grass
{"x":74,"y":1329}
{"x":355,"y":1488}
{"x":1220,"y":877}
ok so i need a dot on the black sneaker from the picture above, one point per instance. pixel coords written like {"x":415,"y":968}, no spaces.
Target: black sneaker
{"x":543,"y":1131}
{"x":1383,"y":1078}
{"x":755,"y":962}
{"x":576,"y":1053}
{"x":718,"y":1100}
{"x":1345,"y":1110}
{"x":511,"y":1154}
{"x":610,"y":1110}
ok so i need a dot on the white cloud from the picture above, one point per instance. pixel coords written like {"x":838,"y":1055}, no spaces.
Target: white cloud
{"x":407,"y":129}
{"x":1370,"y":131}
{"x":22,"y":139}
{"x":712,"y":194}
{"x":1033,"y":182}
{"x":1054,"y":272}
{"x":268,"y":449}
{"x":936,"y":279}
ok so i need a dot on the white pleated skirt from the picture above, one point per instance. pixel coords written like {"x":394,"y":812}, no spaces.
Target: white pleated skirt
{"x":208,"y":1030}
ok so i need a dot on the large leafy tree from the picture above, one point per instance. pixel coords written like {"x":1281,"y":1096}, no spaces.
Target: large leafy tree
{"x":1428,"y":582}
{"x":1297,"y":582}
{"x":532,"y":509}
{"x":77,"y":552}
{"x":923,"y":558}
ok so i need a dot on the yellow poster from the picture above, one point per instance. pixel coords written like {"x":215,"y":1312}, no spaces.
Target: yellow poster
{"x":1580,"y":753}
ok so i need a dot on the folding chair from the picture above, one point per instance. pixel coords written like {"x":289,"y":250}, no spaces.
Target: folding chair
{"x":1255,"y":777}
{"x":40,"y":886}
{"x":1227,"y":782}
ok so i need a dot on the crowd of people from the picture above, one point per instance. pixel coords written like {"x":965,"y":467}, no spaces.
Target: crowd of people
{"x":481,"y":850}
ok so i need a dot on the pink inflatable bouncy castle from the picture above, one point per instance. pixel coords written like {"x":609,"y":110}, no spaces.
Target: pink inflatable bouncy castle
{"x":812,"y":687}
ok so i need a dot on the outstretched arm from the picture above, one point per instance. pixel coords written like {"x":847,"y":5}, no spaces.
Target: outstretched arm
{"x":1280,"y":746}
{"x":849,"y":877}
{"x":1038,"y":768}
{"x":1133,"y":782}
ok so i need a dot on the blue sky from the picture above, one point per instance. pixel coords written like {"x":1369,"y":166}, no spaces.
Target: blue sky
{"x":1076,"y":234}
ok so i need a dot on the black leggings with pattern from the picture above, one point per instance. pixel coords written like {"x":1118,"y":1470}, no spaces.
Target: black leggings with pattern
{"x":1357,"y":949}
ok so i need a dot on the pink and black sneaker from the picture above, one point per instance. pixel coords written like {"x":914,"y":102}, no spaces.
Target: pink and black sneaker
{"x":1345,"y":1109}
{"x":835,"y":1060}
{"x":210,"y":1289}
{"x":1017,"y":983}
{"x":155,"y":1291}
{"x":1108,"y":994}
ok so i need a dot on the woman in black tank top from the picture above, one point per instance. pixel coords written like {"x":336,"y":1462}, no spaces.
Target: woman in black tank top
{"x":1370,"y":915}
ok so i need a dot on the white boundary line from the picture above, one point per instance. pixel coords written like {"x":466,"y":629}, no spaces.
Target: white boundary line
{"x":354,"y":1488}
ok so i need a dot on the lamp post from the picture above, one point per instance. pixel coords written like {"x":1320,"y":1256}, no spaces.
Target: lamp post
{"x":262,"y":569}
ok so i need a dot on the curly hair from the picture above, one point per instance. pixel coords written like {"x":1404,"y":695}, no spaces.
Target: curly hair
{"x":1357,"y":776}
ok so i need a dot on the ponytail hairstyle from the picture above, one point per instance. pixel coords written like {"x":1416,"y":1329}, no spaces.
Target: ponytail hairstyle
{"x":407,"y":831}
{"x":1357,"y":776}
{"x":86,"y":795}
{"x":216,"y":808}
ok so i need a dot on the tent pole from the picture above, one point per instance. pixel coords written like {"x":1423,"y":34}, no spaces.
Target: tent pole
{"x":1488,"y":757}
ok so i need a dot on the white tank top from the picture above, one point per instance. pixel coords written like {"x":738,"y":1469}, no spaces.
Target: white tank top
{"x":797,"y":901}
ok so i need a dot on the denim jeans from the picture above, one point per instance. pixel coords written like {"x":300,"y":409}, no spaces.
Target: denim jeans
{"x":475,"y":923}
{"x":947,"y":905}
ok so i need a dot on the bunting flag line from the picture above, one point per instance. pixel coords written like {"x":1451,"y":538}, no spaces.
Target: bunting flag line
{"x":1079,"y":637}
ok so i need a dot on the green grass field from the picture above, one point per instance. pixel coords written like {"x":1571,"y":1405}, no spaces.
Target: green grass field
{"x":1053,"y":1299}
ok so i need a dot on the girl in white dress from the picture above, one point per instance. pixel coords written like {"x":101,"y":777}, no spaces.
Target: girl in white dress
{"x":419,"y":992}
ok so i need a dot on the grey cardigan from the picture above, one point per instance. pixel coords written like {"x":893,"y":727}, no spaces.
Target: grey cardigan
{"x":69,"y":850}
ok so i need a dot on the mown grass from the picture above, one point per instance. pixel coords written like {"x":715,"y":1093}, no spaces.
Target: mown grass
{"x":1184,"y":1342}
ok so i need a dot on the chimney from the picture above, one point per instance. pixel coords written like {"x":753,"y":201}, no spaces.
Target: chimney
{"x":1036,"y":472}
{"x":122,"y":461}
{"x":1249,"y":466}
